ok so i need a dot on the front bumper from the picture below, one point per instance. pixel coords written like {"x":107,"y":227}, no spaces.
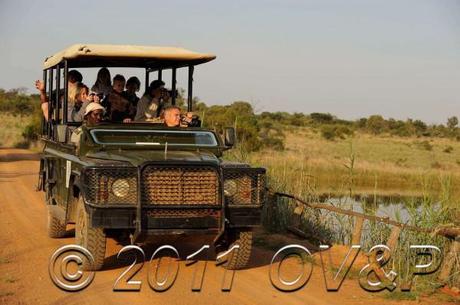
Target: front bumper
{"x":125,"y":218}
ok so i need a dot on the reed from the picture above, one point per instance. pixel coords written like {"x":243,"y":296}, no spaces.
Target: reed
{"x":356,"y":173}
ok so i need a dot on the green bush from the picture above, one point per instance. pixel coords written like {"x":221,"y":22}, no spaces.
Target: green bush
{"x":328,"y":132}
{"x":321,"y":117}
{"x":253,"y":132}
{"x":17,"y":102}
{"x":331,"y":132}
{"x":376,"y":124}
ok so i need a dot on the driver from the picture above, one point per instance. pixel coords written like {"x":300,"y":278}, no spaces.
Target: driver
{"x":173,"y":118}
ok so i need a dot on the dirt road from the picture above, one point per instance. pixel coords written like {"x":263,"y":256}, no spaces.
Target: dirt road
{"x":25,"y":250}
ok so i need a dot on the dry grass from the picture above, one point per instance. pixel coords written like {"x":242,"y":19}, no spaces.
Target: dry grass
{"x":11,"y":128}
{"x":382,"y":164}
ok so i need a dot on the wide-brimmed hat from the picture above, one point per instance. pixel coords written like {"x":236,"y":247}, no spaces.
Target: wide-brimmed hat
{"x":93,"y":106}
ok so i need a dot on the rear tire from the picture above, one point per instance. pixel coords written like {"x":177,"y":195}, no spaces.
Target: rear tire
{"x":239,"y":259}
{"x":56,"y":228}
{"x":92,"y":239}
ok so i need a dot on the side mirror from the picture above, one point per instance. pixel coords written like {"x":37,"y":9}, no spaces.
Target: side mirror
{"x":229,"y":136}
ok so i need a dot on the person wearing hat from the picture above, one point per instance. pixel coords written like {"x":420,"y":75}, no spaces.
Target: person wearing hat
{"x":93,"y":116}
{"x":151,"y":103}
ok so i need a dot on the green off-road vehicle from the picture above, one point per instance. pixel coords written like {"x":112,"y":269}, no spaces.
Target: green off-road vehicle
{"x":135,"y":181}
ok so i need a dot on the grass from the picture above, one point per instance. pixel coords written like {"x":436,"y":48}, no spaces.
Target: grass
{"x":6,"y":293}
{"x":9,"y":278}
{"x":12,"y":128}
{"x":386,"y":164}
{"x":4,"y":260}
{"x":401,"y":296}
{"x":420,"y":174}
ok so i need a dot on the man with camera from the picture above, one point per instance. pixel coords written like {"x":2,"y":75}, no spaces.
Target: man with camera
{"x":174,"y":118}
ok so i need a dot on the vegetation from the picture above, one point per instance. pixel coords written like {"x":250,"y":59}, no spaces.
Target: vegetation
{"x":20,"y":116}
{"x":258,"y":131}
{"x":318,"y":157}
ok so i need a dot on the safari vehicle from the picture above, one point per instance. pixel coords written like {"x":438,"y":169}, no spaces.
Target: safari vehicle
{"x":135,"y":181}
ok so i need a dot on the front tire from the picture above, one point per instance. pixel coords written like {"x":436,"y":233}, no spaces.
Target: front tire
{"x":92,"y":239}
{"x":240,"y":258}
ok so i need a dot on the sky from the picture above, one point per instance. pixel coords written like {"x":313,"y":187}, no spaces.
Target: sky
{"x":397,"y":58}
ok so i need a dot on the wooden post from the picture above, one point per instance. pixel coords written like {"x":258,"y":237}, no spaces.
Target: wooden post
{"x":449,"y":261}
{"x":392,"y":242}
{"x":357,"y":231}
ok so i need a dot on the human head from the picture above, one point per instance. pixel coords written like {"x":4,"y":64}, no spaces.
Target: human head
{"x":119,"y":83}
{"x":133,"y":84}
{"x":172,"y":116}
{"x":165,"y":95}
{"x":155,"y":88}
{"x":93,"y":114}
{"x":91,"y":96}
{"x":103,"y":76}
{"x":73,"y":76}
{"x":81,"y":92}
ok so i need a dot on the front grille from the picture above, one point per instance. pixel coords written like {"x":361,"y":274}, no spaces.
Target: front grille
{"x":168,"y":185}
{"x":249,"y":185}
{"x":98,"y":185}
{"x":183,"y":213}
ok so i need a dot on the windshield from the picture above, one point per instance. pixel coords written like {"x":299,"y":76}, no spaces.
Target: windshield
{"x":154,"y":137}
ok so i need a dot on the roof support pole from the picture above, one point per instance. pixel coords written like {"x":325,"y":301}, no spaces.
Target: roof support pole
{"x":173,"y":87}
{"x":66,"y":92}
{"x":190,"y":88}
{"x":58,"y":87}
{"x":50,"y":102}
{"x":44,"y":122}
{"x":147,"y":78}
{"x":160,"y":74}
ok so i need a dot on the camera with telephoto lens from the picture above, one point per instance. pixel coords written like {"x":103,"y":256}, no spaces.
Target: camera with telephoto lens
{"x":194,"y":122}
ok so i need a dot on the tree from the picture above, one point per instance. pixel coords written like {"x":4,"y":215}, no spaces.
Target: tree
{"x":375,"y":124}
{"x":452,"y":122}
{"x":321,"y":117}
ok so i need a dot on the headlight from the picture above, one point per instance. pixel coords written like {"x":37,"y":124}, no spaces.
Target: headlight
{"x":120,"y":188}
{"x":230,"y":187}
{"x":110,"y":186}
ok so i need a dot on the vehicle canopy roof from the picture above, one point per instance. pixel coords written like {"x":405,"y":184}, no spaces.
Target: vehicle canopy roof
{"x":103,"y":55}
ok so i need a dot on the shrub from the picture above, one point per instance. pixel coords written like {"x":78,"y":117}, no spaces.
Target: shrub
{"x":376,"y":124}
{"x":425,"y":145}
{"x":330,"y":132}
{"x":448,"y":149}
{"x":321,"y":117}
{"x":253,"y":132}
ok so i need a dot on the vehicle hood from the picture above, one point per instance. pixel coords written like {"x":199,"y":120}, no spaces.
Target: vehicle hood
{"x":136,"y":158}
